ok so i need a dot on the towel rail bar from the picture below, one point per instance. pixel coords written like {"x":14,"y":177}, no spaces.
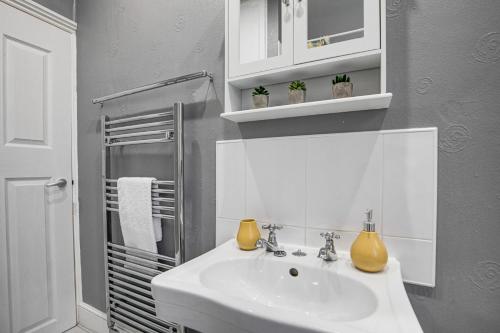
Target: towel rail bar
{"x":145,"y":125}
{"x":136,"y":134}
{"x":136,"y":142}
{"x":155,"y":182}
{"x":133,"y":324}
{"x":119,"y":296}
{"x":139,"y":319}
{"x":133,"y":266}
{"x":167,"y":208}
{"x":141,"y":252}
{"x":129,"y":278}
{"x":139,"y":259}
{"x":141,"y":312}
{"x":162,"y":216}
{"x":132,"y":294}
{"x":139,"y":118}
{"x":113,"y":267}
{"x":129,"y":326}
{"x":127,"y":285}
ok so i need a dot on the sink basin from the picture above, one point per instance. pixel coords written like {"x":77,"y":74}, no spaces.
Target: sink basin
{"x":313,"y":292}
{"x":228,"y":290}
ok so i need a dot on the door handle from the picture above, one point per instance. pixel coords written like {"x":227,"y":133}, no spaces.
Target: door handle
{"x":61,"y":182}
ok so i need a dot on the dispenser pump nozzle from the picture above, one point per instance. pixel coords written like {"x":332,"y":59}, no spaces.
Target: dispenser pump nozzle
{"x":369,"y":225}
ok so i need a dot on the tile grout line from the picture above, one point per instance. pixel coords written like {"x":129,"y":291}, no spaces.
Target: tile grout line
{"x":306,"y":201}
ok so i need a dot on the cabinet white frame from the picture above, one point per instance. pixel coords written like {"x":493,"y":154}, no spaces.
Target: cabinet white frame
{"x":369,"y":41}
{"x":236,"y":68}
{"x":234,"y":85}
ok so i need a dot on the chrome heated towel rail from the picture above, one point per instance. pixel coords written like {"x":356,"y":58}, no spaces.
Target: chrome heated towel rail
{"x":129,"y":271}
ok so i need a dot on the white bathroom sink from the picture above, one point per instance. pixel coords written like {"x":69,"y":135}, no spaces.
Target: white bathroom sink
{"x":233,"y":291}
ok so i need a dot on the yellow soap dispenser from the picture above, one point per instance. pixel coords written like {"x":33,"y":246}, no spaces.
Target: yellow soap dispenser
{"x":368,"y":252}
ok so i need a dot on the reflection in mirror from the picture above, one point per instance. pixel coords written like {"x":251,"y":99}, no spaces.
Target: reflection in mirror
{"x":336,"y":21}
{"x":260,"y":30}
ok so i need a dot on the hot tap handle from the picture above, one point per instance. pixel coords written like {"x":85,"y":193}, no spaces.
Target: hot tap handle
{"x":272,"y":227}
{"x":329,"y":236}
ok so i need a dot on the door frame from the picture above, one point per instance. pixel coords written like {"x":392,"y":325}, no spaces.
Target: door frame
{"x":38,"y":11}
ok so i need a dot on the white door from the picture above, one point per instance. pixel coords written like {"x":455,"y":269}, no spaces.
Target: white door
{"x":331,"y":28}
{"x":260,"y":35}
{"x":37,"y":288}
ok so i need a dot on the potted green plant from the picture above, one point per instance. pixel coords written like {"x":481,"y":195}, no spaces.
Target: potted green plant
{"x":342,"y":86}
{"x":296,"y":92}
{"x":260,"y":97}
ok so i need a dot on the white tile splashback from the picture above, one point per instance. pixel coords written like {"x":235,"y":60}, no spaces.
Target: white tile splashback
{"x":319,"y":183}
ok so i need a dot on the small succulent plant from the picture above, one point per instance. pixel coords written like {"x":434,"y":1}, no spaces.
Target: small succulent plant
{"x":341,"y":78}
{"x":297,"y":85}
{"x":260,"y":91}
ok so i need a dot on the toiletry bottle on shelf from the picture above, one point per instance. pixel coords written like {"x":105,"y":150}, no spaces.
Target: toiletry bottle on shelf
{"x":368,"y":252}
{"x":248,"y":234}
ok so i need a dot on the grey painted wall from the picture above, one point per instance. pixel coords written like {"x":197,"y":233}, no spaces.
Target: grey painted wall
{"x":444,"y":71}
{"x":63,"y":7}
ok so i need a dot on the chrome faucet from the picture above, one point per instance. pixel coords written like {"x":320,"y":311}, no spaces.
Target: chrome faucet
{"x":271,"y":243}
{"x":328,"y":253}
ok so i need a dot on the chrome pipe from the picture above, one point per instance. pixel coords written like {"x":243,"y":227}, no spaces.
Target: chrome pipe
{"x":152,"y":86}
{"x":138,"y":142}
{"x":141,"y":312}
{"x":118,"y":297}
{"x":179,"y":182}
{"x":157,"y":207}
{"x":142,"y":252}
{"x":132,"y":294}
{"x":113,"y":267}
{"x":133,"y":266}
{"x":153,"y":190}
{"x":157,"y":182}
{"x":160,"y":199}
{"x":139,"y":259}
{"x":122,"y":326}
{"x":125,"y":284}
{"x":104,"y":172}
{"x":132,"y":135}
{"x":131,"y":279}
{"x":140,"y":319}
{"x":162,"y":216}
{"x":132,"y":325}
{"x":145,"y":125}
{"x":138,"y":118}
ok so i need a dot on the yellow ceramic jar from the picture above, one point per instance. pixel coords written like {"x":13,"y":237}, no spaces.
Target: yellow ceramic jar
{"x":248,"y":234}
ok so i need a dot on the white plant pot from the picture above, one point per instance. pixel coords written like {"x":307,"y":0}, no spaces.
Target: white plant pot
{"x":296,"y":96}
{"x":260,"y":101}
{"x":342,"y":90}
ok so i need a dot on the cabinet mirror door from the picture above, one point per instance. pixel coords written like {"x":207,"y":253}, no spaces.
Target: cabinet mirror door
{"x":260,"y":35}
{"x":331,"y":28}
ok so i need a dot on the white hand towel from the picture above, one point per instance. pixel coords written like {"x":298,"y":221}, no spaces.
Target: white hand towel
{"x":135,"y":210}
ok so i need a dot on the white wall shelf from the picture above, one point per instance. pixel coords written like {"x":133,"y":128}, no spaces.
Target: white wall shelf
{"x":343,"y":64}
{"x":359,"y":103}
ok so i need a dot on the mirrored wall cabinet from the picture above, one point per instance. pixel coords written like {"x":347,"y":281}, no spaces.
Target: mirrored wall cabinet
{"x":273,"y":42}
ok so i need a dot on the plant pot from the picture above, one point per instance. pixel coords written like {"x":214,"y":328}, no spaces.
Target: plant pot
{"x":296,"y":96}
{"x":260,"y":101}
{"x":342,"y":89}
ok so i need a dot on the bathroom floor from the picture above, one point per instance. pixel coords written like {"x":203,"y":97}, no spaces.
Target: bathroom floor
{"x":78,"y":329}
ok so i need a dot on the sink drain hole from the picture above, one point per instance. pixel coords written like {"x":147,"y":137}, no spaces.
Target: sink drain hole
{"x":293,"y":272}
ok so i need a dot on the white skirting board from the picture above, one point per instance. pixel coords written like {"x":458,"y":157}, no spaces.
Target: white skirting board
{"x":92,"y":319}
